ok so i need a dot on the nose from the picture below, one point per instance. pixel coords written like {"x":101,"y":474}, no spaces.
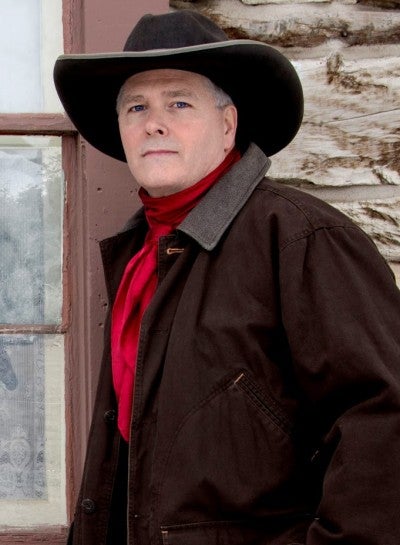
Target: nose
{"x":155,"y":124}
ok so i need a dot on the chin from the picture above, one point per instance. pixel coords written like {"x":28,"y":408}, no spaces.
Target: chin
{"x":161,"y":190}
{"x":162,"y":187}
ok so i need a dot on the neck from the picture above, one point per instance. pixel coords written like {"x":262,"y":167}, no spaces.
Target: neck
{"x":171,"y":209}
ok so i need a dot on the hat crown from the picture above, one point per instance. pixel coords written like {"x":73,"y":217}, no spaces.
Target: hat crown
{"x":173,"y":30}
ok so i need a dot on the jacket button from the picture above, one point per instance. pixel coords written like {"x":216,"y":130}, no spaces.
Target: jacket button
{"x":110,"y":416}
{"x":88,"y":506}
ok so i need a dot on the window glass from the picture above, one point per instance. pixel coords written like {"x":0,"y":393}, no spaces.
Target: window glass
{"x":32,"y":449}
{"x":32,"y":386}
{"x":30,"y":41}
{"x":31,"y":200}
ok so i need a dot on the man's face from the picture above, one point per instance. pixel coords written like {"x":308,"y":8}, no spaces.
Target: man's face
{"x":172,"y":132}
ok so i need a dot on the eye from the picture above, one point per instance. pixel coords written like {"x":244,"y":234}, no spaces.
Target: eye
{"x":181,"y":104}
{"x":137,"y":108}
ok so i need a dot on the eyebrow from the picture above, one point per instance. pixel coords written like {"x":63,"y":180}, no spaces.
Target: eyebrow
{"x":185,"y":93}
{"x":180,"y":93}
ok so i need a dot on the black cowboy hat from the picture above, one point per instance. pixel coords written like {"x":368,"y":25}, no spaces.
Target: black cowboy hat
{"x":262,"y":83}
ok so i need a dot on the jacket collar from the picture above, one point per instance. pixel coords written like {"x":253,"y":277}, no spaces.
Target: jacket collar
{"x":218,"y":208}
{"x":208,"y":221}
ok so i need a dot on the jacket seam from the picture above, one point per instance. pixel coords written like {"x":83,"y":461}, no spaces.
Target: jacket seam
{"x":308,"y":232}
{"x":292,"y":199}
{"x":269,"y":408}
{"x":230,"y":522}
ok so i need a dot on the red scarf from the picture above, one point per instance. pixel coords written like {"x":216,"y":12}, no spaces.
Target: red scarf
{"x":139,"y":283}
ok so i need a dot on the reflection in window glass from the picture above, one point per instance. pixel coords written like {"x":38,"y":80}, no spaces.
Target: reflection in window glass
{"x":31,"y":197}
{"x":31,"y":430}
{"x":30,"y":41}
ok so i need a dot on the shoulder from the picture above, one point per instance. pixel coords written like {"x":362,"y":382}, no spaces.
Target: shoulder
{"x":293,"y":214}
{"x":298,"y":205}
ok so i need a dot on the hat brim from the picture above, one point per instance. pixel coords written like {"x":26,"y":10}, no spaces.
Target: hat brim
{"x":261,"y":81}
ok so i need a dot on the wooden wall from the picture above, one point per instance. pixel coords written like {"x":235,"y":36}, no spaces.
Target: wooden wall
{"x":347,"y":54}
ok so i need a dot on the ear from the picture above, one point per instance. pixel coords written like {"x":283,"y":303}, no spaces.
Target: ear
{"x":230,"y":126}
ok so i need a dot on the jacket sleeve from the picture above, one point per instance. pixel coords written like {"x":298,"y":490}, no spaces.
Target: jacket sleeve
{"x":341,"y":311}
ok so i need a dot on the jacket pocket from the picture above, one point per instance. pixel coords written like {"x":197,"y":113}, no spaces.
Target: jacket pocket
{"x":232,"y":453}
{"x":233,"y":533}
{"x":264,"y":402}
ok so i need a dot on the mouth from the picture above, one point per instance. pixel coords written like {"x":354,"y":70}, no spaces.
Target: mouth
{"x":158,"y":152}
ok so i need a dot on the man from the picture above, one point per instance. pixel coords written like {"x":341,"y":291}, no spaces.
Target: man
{"x":252,"y":353}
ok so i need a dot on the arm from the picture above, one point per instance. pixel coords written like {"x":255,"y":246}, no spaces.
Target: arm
{"x":341,"y":311}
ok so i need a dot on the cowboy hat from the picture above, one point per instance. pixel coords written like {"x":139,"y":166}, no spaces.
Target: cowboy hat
{"x":262,"y":83}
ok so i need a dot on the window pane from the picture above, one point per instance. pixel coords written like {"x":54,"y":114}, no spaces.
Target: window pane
{"x":31,"y":200}
{"x":31,"y":430}
{"x":30,"y":41}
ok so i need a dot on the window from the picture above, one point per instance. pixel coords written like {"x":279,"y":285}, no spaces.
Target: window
{"x":30,"y":39}
{"x":32,"y":316}
{"x":31,"y":348}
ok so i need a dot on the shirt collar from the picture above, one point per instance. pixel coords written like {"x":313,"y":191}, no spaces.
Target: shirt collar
{"x":208,"y":221}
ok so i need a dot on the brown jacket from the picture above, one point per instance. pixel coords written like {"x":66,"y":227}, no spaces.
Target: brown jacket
{"x":266,"y":406}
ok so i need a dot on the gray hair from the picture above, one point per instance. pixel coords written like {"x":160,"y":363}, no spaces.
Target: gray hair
{"x":222,"y":99}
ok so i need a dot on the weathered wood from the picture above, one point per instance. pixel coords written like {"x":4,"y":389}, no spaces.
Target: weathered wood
{"x":33,"y":123}
{"x":396,"y":269}
{"x":350,"y":134}
{"x":259,"y":2}
{"x":387,"y":4}
{"x":381,"y":220}
{"x":37,"y":536}
{"x":27,"y":329}
{"x":301,"y":24}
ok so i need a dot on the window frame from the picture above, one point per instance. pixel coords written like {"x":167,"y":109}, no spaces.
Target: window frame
{"x":43,"y":125}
